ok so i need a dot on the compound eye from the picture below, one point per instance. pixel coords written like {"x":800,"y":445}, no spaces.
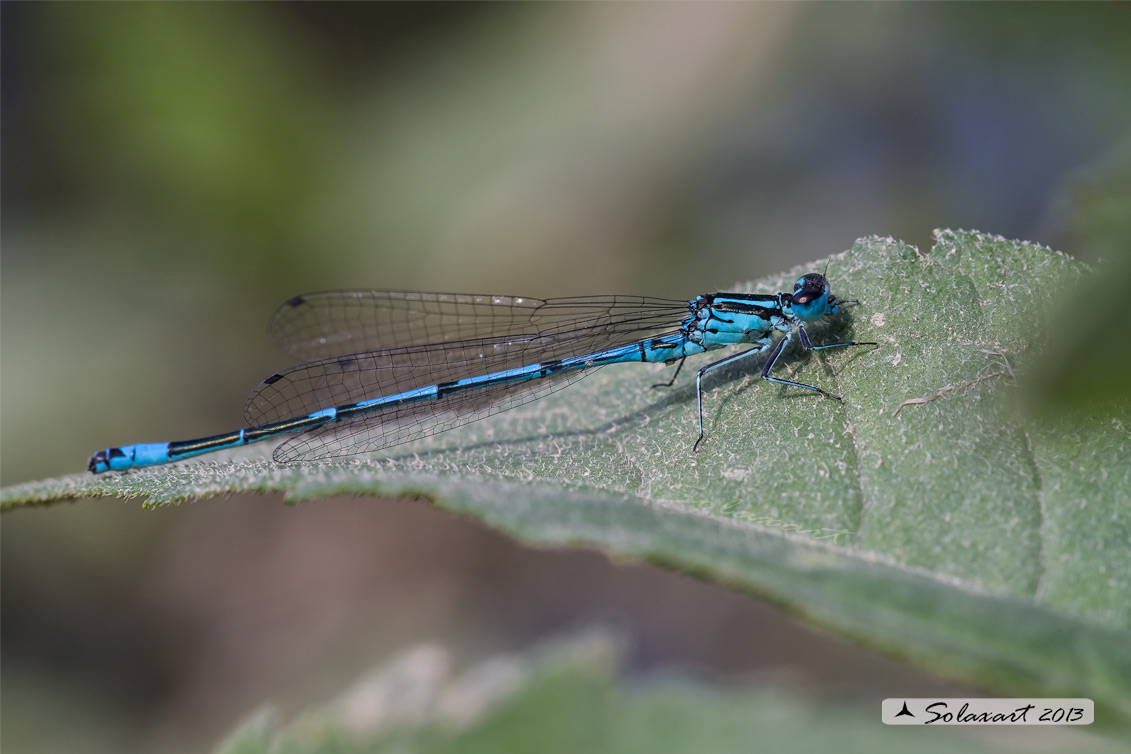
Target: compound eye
{"x":809,"y":288}
{"x":813,"y":280}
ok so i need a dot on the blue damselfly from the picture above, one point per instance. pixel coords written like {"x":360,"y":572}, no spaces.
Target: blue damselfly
{"x":386,"y":367}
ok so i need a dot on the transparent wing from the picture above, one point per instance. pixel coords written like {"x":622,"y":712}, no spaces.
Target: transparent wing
{"x":332,"y":323}
{"x":340,"y":380}
{"x":333,"y":382}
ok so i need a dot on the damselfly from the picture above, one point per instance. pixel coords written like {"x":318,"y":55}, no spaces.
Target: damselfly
{"x":385,"y":367}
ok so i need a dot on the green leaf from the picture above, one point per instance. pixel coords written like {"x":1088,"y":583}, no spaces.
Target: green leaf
{"x":931,"y":514}
{"x":566,"y":698}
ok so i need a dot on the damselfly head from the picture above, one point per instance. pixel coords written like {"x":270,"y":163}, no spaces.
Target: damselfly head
{"x":811,"y":299}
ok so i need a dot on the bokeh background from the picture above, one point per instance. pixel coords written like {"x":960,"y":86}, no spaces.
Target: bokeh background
{"x":172,"y":172}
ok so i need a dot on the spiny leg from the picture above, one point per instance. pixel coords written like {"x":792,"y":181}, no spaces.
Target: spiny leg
{"x":671,"y":382}
{"x":774,"y":357}
{"x":710,"y":368}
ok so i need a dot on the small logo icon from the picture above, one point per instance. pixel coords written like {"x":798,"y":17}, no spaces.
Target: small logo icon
{"x":904,"y":712}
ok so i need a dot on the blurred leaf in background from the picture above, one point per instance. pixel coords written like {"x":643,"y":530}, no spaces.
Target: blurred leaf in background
{"x":1087,"y":370}
{"x":565,"y":696}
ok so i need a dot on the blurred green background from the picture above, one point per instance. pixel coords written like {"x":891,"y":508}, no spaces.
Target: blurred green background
{"x":172,"y":172}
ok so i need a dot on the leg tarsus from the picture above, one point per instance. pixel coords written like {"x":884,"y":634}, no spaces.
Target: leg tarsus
{"x":804,"y":337}
{"x":802,"y":384}
{"x":838,"y":345}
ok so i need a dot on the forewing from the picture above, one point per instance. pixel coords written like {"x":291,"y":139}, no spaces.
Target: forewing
{"x":333,"y":323}
{"x":342,"y":380}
